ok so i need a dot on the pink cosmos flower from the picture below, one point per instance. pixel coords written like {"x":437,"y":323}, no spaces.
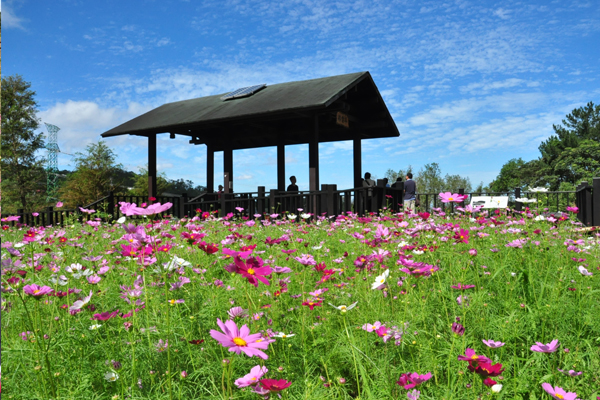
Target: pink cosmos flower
{"x":92,"y":280}
{"x":78,"y":305}
{"x":546,"y":348}
{"x":570,"y":372}
{"x":252,"y":378}
{"x":470,"y":355}
{"x":448,"y":197}
{"x":460,"y":286}
{"x":493,"y":344}
{"x":372,"y":327}
{"x":59,"y":204}
{"x":237,"y":312}
{"x":414,"y":395}
{"x":37,"y":291}
{"x":240,"y":340}
{"x":558,"y":392}
{"x":574,"y":210}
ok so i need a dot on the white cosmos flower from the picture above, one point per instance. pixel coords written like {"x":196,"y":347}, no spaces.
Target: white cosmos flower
{"x":19,"y":245}
{"x":402,"y":244}
{"x":380,"y":280}
{"x":418,"y":252}
{"x":497,"y":388}
{"x":343,"y":308}
{"x":540,"y":218}
{"x":111,"y":376}
{"x":78,"y":305}
{"x":283,"y":335}
{"x":537,"y":189}
{"x":305,"y":215}
{"x":121,"y":220}
{"x":177,"y":262}
{"x":94,"y":327}
{"x":292,"y":216}
{"x":60,"y":280}
{"x":584,"y":271}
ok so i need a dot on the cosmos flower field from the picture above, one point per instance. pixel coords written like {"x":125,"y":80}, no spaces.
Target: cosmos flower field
{"x":473,"y":304}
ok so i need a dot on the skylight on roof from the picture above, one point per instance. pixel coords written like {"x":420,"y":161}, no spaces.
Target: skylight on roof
{"x":243,"y":92}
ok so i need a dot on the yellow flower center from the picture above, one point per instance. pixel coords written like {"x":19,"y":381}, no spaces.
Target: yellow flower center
{"x":560,"y":396}
{"x":474,"y":357}
{"x":251,"y":271}
{"x":36,"y":291}
{"x":172,"y":301}
{"x":253,"y":378}
{"x":450,"y":198}
{"x":343,"y":308}
{"x":239,"y":341}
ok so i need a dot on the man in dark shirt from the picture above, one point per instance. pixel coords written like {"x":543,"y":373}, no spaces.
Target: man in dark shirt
{"x":410,"y":193}
{"x":293,"y":187}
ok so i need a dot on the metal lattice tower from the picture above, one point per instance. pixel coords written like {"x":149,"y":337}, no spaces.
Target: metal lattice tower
{"x":52,"y":166}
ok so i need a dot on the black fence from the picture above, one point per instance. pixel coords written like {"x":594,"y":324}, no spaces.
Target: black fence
{"x":328,"y":201}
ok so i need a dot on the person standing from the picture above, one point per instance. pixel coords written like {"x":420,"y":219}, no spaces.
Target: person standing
{"x":410,"y":193}
{"x":292,"y":187}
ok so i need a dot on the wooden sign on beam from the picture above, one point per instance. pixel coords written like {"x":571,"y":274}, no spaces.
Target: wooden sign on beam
{"x":342,"y":119}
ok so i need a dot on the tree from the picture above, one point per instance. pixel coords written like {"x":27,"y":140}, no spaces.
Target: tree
{"x":140,"y":185}
{"x":94,"y":175}
{"x":25,"y":181}
{"x":393,"y":175}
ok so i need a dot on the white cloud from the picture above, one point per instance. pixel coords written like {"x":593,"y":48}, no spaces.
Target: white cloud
{"x":9,"y":19}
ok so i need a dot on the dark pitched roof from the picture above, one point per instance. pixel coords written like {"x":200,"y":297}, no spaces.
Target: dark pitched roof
{"x":284,"y":109}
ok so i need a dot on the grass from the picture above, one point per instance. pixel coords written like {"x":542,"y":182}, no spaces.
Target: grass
{"x":521,"y":296}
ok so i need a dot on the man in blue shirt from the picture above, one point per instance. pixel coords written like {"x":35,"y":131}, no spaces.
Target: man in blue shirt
{"x":410,"y":193}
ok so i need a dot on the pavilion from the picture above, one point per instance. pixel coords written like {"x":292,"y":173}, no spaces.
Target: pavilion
{"x":337,"y":108}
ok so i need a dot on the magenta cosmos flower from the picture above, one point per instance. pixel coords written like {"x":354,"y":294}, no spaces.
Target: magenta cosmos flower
{"x":558,"y":392}
{"x":409,"y":381}
{"x":460,"y":286}
{"x":252,"y":378}
{"x":105,"y":316}
{"x":253,"y":270}
{"x":546,"y":348}
{"x":240,"y":340}
{"x":470,"y":355}
{"x":37,"y":291}
{"x":275,"y":385}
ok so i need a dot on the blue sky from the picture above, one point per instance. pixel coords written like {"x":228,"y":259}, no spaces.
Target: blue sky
{"x":470,"y":84}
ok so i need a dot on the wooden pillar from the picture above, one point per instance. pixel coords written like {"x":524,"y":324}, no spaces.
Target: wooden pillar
{"x":210,"y":169}
{"x":228,"y":170}
{"x":281,"y":166}
{"x":152,"y":189}
{"x":357,"y":154}
{"x":313,"y":157}
{"x":596,"y":200}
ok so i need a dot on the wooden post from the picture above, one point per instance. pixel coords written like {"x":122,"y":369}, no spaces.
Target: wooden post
{"x":273,"y":206}
{"x":260,"y":201}
{"x":228,"y":170}
{"x":461,"y":191}
{"x":281,"y":166}
{"x":313,"y":156}
{"x":21,"y":213}
{"x":331,"y":200}
{"x":210,"y":169}
{"x":50,"y":216}
{"x":152,"y":189}
{"x":357,"y":156}
{"x":587,"y":204}
{"x":518,"y":205}
{"x":596,"y":201}
{"x":182,"y":200}
{"x":111,"y":205}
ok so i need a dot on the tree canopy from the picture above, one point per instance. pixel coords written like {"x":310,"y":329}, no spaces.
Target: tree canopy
{"x":568,"y":157}
{"x":24,"y":183}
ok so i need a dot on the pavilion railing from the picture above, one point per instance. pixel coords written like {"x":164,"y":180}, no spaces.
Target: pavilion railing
{"x":327,"y":201}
